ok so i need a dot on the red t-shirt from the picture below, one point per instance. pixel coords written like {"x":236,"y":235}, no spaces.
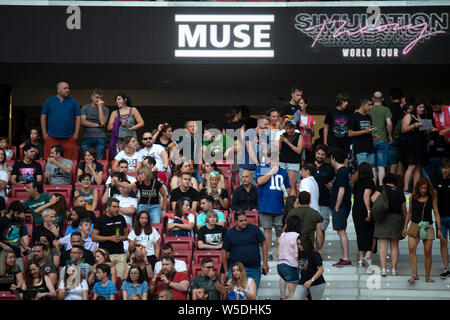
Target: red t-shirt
{"x":178,"y":277}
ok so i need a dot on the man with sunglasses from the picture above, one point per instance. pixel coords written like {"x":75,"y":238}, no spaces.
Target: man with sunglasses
{"x":207,"y":280}
{"x":154,"y":150}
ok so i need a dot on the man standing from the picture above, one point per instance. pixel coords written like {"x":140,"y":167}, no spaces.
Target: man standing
{"x":242,"y":244}
{"x":336,"y":124}
{"x":61,"y":121}
{"x":323,"y":176}
{"x":441,"y":115}
{"x":94,"y":116}
{"x":340,"y":203}
{"x":171,"y":279}
{"x":154,"y":150}
{"x":273,"y":187}
{"x":397,"y":115}
{"x":207,"y":280}
{"x":245,"y":196}
{"x":382,"y":132}
{"x":58,"y":169}
{"x":359,"y":129}
{"x":110,"y":230}
{"x":309,"y":184}
{"x":292,"y":106}
{"x":27,"y":170}
{"x":439,"y":144}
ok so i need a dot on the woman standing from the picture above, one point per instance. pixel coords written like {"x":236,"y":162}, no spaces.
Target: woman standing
{"x":311,"y":269}
{"x":135,"y":284}
{"x":87,"y":191}
{"x":390,"y":229}
{"x":216,"y":189}
{"x":37,"y":286}
{"x":143,"y":234}
{"x":422,"y":202}
{"x":240,"y":287}
{"x":416,"y":143}
{"x":72,"y":287}
{"x":130,"y":154}
{"x":163,"y":137}
{"x":182,"y":225}
{"x":287,"y":266}
{"x":363,"y":188}
{"x":124,"y":122}
{"x":150,"y":187}
{"x":290,"y":146}
{"x":91,"y":166}
{"x":306,"y":124}
{"x":102,"y":257}
{"x":10,"y":276}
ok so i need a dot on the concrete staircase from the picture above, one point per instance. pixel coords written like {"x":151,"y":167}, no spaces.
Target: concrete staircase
{"x":355,"y":283}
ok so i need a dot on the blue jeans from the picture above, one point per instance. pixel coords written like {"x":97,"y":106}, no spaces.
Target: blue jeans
{"x":154,"y":211}
{"x":365,"y":157}
{"x":97,"y":143}
{"x":381,"y":153}
{"x":254,"y":273}
{"x":393,"y":152}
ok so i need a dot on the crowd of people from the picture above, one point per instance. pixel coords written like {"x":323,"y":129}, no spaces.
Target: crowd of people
{"x":108,"y":239}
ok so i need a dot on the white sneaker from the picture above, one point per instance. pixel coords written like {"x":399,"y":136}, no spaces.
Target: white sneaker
{"x":383,"y":272}
{"x":394,"y":272}
{"x":367,"y":261}
{"x":360,"y":263}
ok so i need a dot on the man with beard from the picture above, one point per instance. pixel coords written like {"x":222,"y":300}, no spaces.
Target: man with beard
{"x":154,"y":150}
{"x":169,"y":278}
{"x":324,"y":175}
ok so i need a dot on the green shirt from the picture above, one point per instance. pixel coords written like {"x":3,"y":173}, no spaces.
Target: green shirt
{"x":379,"y":115}
{"x":309,"y":219}
{"x":34,"y":204}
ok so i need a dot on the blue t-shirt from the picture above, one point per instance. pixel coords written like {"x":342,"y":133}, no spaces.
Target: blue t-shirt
{"x":270,"y":194}
{"x":131,"y":289}
{"x":201,"y":218}
{"x":342,"y":179}
{"x":71,"y":229}
{"x":243,"y":246}
{"x":61,"y":116}
{"x":106,"y":291}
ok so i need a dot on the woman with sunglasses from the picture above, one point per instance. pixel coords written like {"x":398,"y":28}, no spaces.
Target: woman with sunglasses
{"x":207,"y":169}
{"x":216,"y":189}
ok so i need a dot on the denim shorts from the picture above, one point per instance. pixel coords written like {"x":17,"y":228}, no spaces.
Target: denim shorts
{"x":445,"y":227}
{"x":340,"y":218}
{"x":288,"y":273}
{"x":393,"y":153}
{"x":154,"y":211}
{"x":381,"y":152}
{"x":365,"y":157}
{"x":290,"y":166}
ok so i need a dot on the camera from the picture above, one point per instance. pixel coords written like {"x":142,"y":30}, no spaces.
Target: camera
{"x":158,"y":278}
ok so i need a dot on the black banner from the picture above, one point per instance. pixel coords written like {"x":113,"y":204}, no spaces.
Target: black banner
{"x":211,"y":35}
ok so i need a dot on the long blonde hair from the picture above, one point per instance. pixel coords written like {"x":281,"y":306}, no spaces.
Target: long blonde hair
{"x":74,"y":280}
{"x":220,"y":186}
{"x":147,"y":172}
{"x":243,"y":280}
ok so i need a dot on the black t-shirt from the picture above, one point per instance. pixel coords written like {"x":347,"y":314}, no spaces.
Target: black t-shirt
{"x":26,"y":172}
{"x":323,"y":176}
{"x":10,"y":233}
{"x":337,"y":122}
{"x":342,"y":179}
{"x":88,"y":257}
{"x":223,"y":195}
{"x":7,"y":280}
{"x":149,"y":191}
{"x":397,"y":113}
{"x":251,"y":123}
{"x":288,"y":155}
{"x":396,"y":199}
{"x":443,"y":193}
{"x":359,"y":189}
{"x":420,"y":209}
{"x":176,"y":194}
{"x":288,"y":110}
{"x":240,"y":199}
{"x":41,"y":230}
{"x":98,"y":167}
{"x":212,"y":236}
{"x":2,"y":203}
{"x":362,"y":143}
{"x":308,"y":267}
{"x":111,"y":226}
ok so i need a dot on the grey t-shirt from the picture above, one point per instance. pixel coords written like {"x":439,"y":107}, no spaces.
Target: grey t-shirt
{"x":204,"y":282}
{"x":58,"y":176}
{"x":91,"y":114}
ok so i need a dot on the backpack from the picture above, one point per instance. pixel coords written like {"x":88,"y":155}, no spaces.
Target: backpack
{"x":380,"y":206}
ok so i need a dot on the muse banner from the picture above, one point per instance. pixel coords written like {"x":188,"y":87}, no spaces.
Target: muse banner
{"x":239,"y":35}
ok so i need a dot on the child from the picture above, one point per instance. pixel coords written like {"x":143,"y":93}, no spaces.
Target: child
{"x":4,"y":144}
{"x":89,"y":193}
{"x":104,"y":287}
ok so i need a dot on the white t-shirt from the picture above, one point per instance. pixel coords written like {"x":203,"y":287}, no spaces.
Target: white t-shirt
{"x":131,"y":179}
{"x":88,"y":244}
{"x":310,"y":185}
{"x":147,"y":240}
{"x":180,"y":266}
{"x":3,"y":177}
{"x":77,"y":293}
{"x":191,"y":218}
{"x":132,"y":161}
{"x":125,"y":203}
{"x":155,"y":152}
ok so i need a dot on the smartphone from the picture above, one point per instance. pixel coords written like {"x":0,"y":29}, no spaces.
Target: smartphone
{"x":371,"y":129}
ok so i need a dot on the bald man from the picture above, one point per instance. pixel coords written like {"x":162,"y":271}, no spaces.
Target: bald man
{"x":60,"y":122}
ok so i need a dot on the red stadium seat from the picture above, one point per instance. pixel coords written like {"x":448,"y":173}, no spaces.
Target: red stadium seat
{"x":7,"y":295}
{"x":42,"y":162}
{"x":215,"y":255}
{"x":197,"y":269}
{"x":118,"y":286}
{"x":19,"y":191}
{"x":180,"y":243}
{"x":229,"y":183}
{"x":106,"y":154}
{"x":10,"y":163}
{"x":29,"y":217}
{"x":186,"y":256}
{"x":30,"y":232}
{"x":105,"y":166}
{"x":65,"y":190}
{"x":74,"y":171}
{"x":159,"y":228}
{"x":252,"y":217}
{"x":14,"y":150}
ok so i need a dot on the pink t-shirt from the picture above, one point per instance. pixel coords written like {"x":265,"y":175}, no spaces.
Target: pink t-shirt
{"x":288,"y":251}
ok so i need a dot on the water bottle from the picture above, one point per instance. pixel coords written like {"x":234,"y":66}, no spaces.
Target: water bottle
{"x":283,"y":188}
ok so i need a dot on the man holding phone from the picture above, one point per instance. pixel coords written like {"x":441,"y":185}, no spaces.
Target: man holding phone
{"x":94,"y":117}
{"x":360,"y":131}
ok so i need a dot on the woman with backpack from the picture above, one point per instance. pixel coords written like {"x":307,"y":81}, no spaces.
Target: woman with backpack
{"x":390,"y":229}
